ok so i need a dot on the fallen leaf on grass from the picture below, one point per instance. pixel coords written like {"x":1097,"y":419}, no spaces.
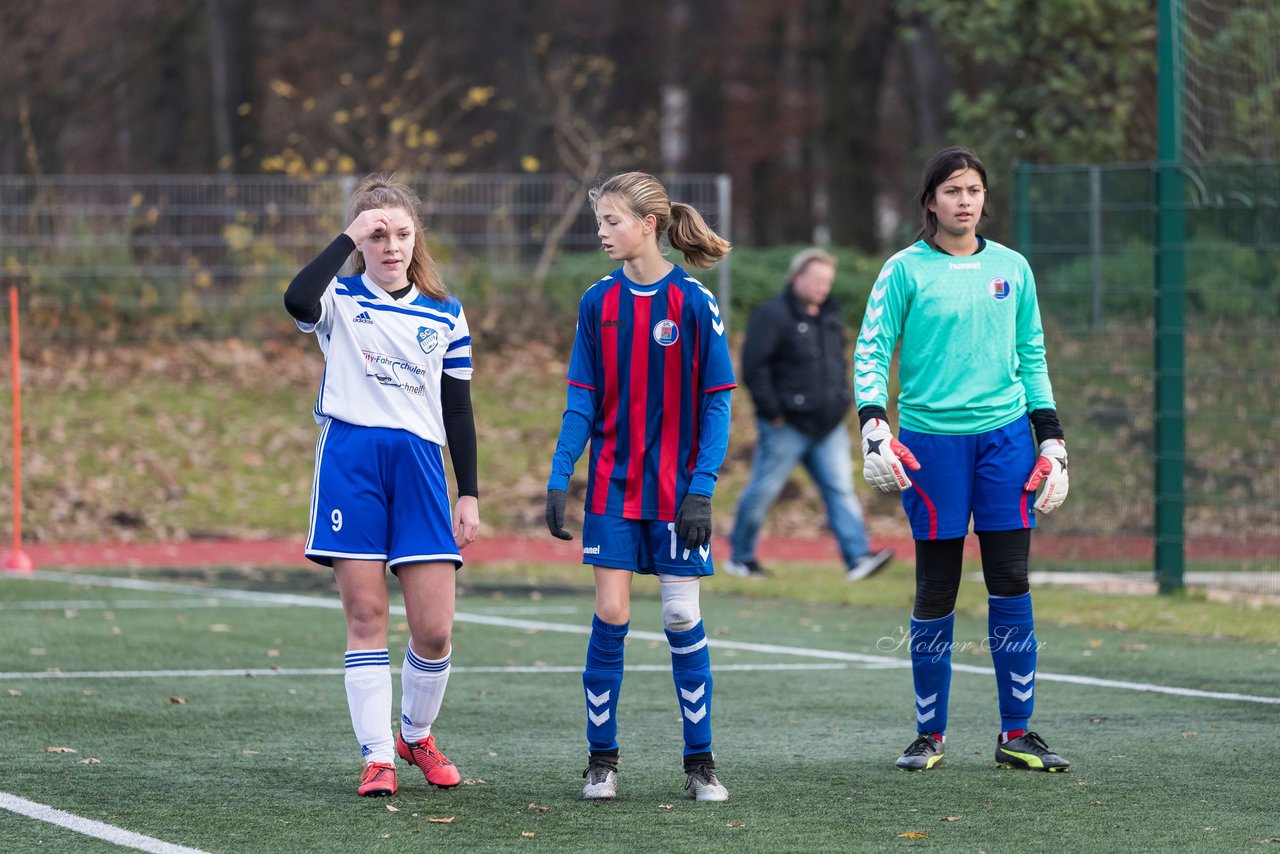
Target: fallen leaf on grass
{"x":536,"y":808}
{"x":1189,"y":734}
{"x":219,"y":627}
{"x":251,"y":753}
{"x":1097,"y":719}
{"x":52,"y":749}
{"x":90,"y":761}
{"x":736,"y":824}
{"x":473,"y":781}
{"x":385,"y":836}
{"x":178,"y":701}
{"x":392,"y":809}
{"x":448,"y":819}
{"x":527,"y":834}
{"x":913,"y":834}
{"x":14,"y":692}
{"x":1095,"y":803}
{"x":950,"y":818}
{"x":667,"y":807}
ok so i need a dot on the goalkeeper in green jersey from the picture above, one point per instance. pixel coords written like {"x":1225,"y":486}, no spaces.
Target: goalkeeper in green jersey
{"x":974,"y":389}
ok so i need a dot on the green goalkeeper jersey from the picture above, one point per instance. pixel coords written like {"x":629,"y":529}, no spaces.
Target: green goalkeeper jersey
{"x":972,"y":346}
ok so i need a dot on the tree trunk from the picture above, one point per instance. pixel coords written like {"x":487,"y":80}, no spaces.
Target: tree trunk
{"x":233,"y":105}
{"x":856,"y":40}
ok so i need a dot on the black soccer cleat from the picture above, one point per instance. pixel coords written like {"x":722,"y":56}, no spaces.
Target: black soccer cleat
{"x":922,"y":754}
{"x":1029,"y":752}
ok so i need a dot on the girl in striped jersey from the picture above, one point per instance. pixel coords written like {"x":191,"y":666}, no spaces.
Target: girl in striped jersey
{"x":649,"y":383}
{"x":974,"y":385}
{"x":396,"y":389}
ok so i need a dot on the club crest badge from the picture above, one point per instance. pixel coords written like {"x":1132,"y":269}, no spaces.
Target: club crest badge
{"x":666,"y":332}
{"x":999,"y":288}
{"x":427,"y":339}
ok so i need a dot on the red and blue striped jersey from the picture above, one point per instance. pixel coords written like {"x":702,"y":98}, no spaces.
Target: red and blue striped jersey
{"x":648,"y":354}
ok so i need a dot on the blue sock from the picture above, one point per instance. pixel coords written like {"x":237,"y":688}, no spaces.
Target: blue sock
{"x":1012,"y":635}
{"x":602,"y":682}
{"x":931,"y":671}
{"x":691,"y":669}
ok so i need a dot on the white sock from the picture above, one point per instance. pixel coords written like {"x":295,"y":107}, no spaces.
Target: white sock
{"x":368,"y":682}
{"x":422,"y":683}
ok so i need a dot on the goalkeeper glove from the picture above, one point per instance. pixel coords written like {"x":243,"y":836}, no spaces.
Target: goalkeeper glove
{"x":885,"y":460}
{"x":1051,"y":469}
{"x":693,"y":521}
{"x":555,"y":514}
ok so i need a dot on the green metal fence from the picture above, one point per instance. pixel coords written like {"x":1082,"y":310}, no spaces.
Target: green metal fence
{"x":1186,"y":489}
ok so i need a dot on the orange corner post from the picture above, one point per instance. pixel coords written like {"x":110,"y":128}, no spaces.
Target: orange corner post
{"x":16,"y":560}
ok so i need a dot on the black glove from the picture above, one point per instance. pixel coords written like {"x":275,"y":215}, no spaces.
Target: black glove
{"x":555,"y":514}
{"x":693,"y":521}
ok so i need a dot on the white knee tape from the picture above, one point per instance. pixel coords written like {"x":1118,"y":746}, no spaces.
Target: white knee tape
{"x":680,"y":610}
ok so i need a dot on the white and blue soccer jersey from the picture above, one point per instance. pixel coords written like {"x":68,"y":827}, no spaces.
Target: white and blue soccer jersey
{"x":384,"y":357}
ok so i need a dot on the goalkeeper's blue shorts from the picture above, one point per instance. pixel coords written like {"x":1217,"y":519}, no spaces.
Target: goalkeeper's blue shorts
{"x":978,"y":476}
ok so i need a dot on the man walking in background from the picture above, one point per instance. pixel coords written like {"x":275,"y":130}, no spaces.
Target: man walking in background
{"x":795,"y":365}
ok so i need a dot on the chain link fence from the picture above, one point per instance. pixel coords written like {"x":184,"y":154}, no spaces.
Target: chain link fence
{"x":1089,"y":232}
{"x":133,"y":258}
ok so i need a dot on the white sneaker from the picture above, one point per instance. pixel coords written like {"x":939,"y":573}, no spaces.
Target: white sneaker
{"x":602,"y":781}
{"x":868,"y":565}
{"x":702,"y":784}
{"x":745,"y":569}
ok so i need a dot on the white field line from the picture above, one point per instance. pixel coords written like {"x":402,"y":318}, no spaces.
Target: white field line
{"x":538,"y":626}
{"x":338,"y":671}
{"x":123,"y":604}
{"x":213,"y":602}
{"x":89,"y":827}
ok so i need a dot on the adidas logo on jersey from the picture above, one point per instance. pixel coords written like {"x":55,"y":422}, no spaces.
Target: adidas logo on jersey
{"x":363,"y":317}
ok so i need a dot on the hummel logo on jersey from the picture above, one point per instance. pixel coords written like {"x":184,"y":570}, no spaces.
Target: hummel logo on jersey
{"x":591,"y":550}
{"x":363,"y":317}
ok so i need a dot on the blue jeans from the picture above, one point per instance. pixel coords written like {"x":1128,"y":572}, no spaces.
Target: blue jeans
{"x":779,"y":449}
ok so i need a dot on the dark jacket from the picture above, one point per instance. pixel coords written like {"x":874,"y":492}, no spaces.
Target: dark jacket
{"x":794,"y":364}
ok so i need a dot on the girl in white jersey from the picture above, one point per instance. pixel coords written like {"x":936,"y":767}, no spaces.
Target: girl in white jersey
{"x":396,"y":389}
{"x":974,"y":385}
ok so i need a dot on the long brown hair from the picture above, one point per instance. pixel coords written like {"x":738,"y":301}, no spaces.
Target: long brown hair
{"x":940,"y":167}
{"x":686,"y":230}
{"x":382,"y":190}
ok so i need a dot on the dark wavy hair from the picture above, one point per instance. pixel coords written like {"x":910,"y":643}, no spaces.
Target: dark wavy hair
{"x":940,"y":167}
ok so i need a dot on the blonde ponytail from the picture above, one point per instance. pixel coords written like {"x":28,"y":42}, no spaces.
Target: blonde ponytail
{"x":686,"y":230}
{"x":690,"y":235}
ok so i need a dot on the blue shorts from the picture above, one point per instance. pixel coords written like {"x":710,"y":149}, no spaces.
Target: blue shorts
{"x":979,"y":475}
{"x":646,"y":546}
{"x":379,"y":494}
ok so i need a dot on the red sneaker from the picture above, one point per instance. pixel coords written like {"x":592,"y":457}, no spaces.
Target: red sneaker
{"x":438,"y":770}
{"x":377,"y":780}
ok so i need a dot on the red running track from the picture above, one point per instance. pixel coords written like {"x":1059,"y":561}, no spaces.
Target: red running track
{"x":202,"y":553}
